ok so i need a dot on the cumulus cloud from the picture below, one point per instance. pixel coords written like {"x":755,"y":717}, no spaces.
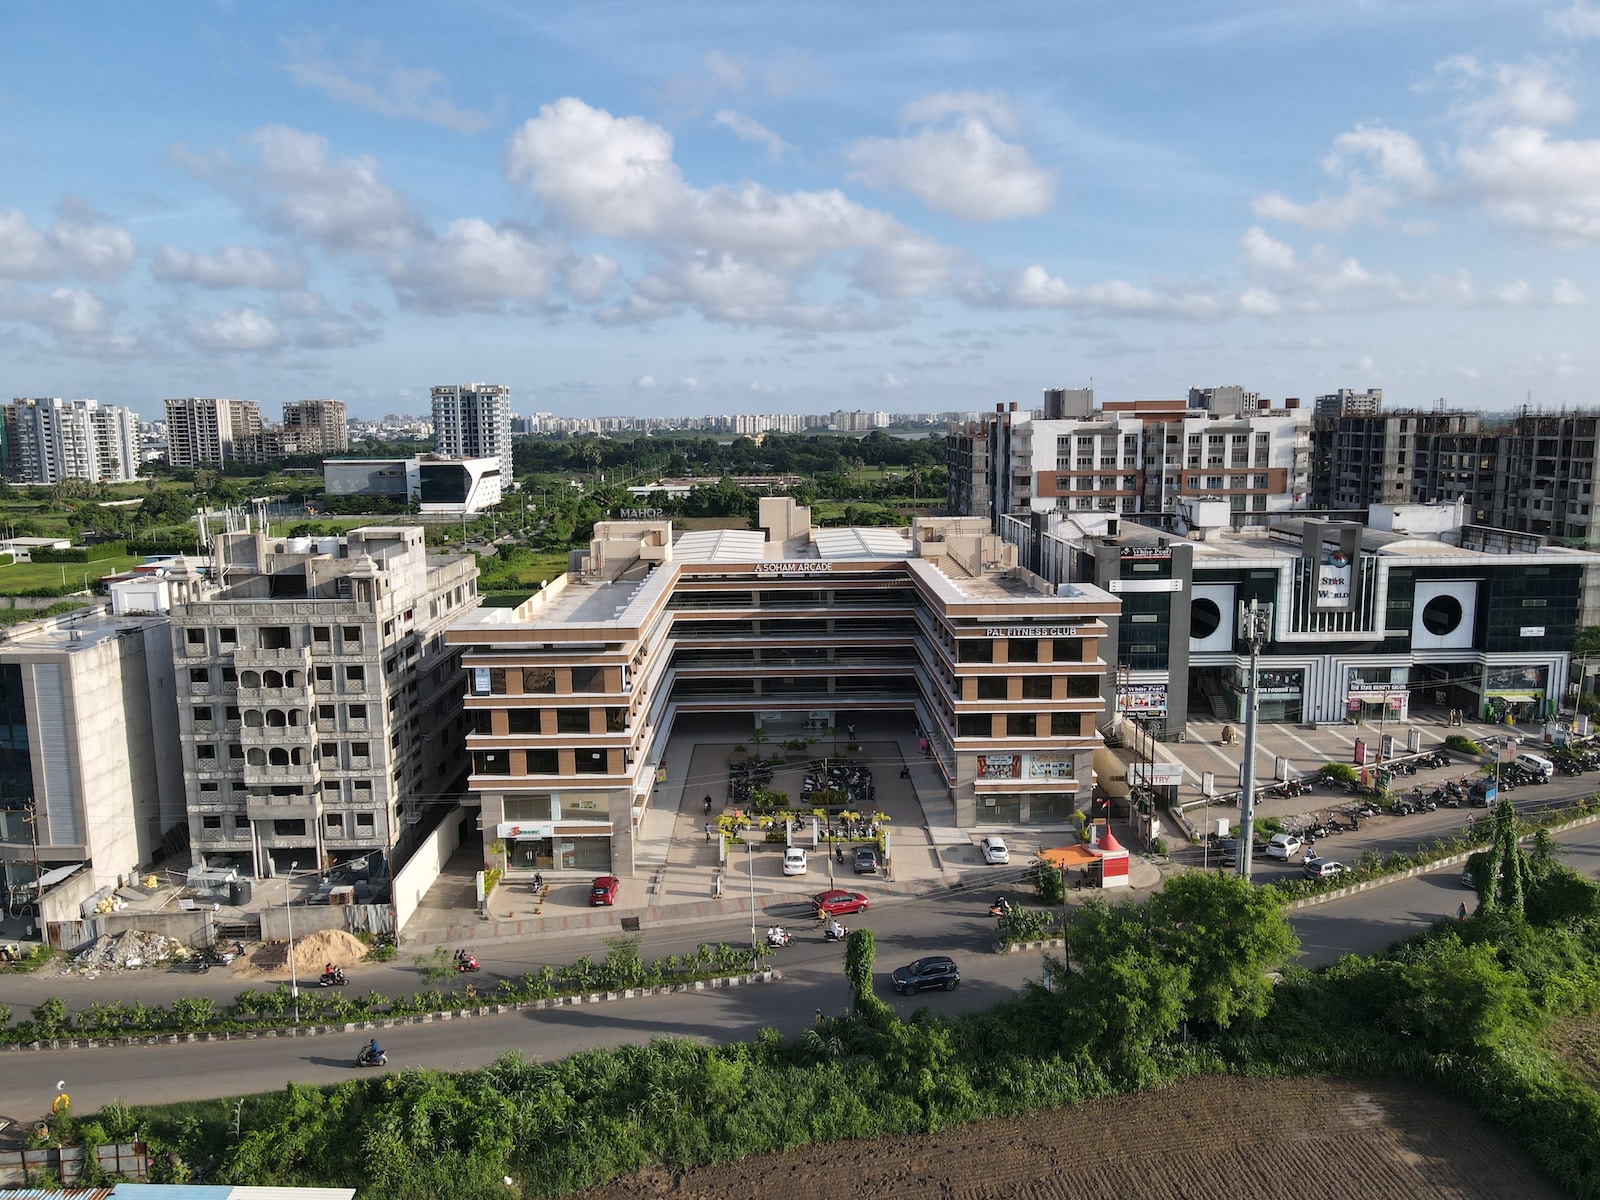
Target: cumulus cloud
{"x":1381,"y":169}
{"x":474,"y":266}
{"x":1533,"y":180}
{"x":1528,"y":93}
{"x":71,"y":313}
{"x":239,"y":330}
{"x":230,"y":267}
{"x":1035,"y":287}
{"x":367,"y":80}
{"x":957,"y":160}
{"x":590,"y":276}
{"x":1322,"y":270}
{"x":83,"y":246}
{"x":748,"y":129}
{"x":735,"y":252}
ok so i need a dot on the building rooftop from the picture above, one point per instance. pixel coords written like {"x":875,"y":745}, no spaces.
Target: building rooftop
{"x":74,"y":630}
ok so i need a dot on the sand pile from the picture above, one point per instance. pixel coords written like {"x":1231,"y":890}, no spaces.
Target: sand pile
{"x":311,"y":953}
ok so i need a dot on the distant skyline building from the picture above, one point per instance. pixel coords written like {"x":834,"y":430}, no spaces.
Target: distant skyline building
{"x":50,"y":439}
{"x":207,"y":432}
{"x":315,"y":427}
{"x":473,"y":420}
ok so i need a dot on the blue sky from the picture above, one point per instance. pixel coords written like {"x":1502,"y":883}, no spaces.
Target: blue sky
{"x":697,"y":208}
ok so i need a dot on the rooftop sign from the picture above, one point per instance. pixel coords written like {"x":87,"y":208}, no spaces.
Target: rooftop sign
{"x":802,"y":567}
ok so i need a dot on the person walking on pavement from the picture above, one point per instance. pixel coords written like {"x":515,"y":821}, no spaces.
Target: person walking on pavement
{"x":708,"y":833}
{"x":850,"y":730}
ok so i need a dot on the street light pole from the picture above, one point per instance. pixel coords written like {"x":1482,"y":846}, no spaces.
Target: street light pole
{"x":1255,"y":627}
{"x":750,"y":860}
{"x":288,"y":908}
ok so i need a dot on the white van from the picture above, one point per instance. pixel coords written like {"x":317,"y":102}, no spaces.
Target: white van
{"x":1537,"y":764}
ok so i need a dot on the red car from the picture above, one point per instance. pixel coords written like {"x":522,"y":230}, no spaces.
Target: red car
{"x":838,"y":902}
{"x":604,"y":890}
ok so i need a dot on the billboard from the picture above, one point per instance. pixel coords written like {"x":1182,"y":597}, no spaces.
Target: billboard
{"x":1334,"y":574}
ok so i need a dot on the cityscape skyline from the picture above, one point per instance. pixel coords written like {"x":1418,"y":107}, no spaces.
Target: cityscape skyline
{"x":622,"y":210}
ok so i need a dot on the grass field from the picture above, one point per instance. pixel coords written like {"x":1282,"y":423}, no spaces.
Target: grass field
{"x":21,"y":578}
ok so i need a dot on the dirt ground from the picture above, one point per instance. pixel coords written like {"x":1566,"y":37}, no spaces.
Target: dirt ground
{"x":1245,"y":1139}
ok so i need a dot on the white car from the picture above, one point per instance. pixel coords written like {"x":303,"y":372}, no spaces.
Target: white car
{"x":1284,"y":846}
{"x":794,"y":861}
{"x":994,"y":851}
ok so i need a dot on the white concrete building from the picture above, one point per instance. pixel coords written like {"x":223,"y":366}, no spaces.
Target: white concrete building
{"x":473,"y":420}
{"x":50,"y":439}
{"x":319,"y":708}
{"x":205,"y":432}
{"x":88,"y":732}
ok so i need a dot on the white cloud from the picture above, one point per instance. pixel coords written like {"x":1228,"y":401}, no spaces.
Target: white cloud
{"x":1322,"y":271}
{"x":230,"y":267}
{"x":474,"y":266}
{"x":1526,"y":94}
{"x":78,"y":247}
{"x":1579,"y":21}
{"x":1035,"y":287}
{"x":964,"y":166}
{"x":1530,"y":179}
{"x":68,"y":312}
{"x":25,"y":252}
{"x":748,"y":129}
{"x":1567,"y":294}
{"x":366,"y":80}
{"x":736,"y":252}
{"x":240,"y":330}
{"x":645,"y":383}
{"x":1381,"y":168}
{"x":590,"y":276}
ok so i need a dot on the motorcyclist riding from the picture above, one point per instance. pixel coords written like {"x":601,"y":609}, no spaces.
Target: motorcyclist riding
{"x":835,"y":930}
{"x":371,"y":1051}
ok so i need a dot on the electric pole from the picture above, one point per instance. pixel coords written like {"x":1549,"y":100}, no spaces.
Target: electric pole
{"x":1255,"y":627}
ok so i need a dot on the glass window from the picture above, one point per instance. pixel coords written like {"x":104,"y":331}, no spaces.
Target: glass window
{"x":974,"y":725}
{"x":523,"y":720}
{"x":538,"y":681}
{"x":1022,"y":650}
{"x":1022,"y":725}
{"x":591,"y":762}
{"x":528,"y":808}
{"x":974,"y":650}
{"x":616,"y":720}
{"x":1083,"y":687}
{"x":572,"y":720}
{"x":992,"y":688}
{"x":482,"y":720}
{"x":1067,"y":650}
{"x":588,"y":679}
{"x":544,"y":762}
{"x":1036,"y":687}
{"x":1065,"y":724}
{"x":491,"y":762}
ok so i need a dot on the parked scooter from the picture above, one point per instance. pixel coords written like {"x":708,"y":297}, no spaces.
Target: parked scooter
{"x":465,"y":961}
{"x":333,"y":978}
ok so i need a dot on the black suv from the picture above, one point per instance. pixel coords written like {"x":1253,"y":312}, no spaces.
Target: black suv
{"x":935,"y":971}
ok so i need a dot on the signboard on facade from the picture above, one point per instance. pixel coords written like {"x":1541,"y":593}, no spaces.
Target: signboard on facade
{"x":1144,"y":585}
{"x":1156,"y":774}
{"x":801,"y":567}
{"x":1047,"y":766}
{"x":641,"y":514}
{"x":1334,"y":575}
{"x":1004,"y":631}
{"x":1147,"y":553}
{"x":1144,"y":697}
{"x":1533,"y":631}
{"x":999,"y":766}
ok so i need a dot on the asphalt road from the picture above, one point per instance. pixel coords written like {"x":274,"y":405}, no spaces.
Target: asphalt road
{"x":812,"y":978}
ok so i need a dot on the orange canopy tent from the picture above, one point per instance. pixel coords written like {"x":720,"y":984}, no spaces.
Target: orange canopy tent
{"x":1069,"y":856}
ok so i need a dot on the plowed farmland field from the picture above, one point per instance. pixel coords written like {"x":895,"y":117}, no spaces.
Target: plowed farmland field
{"x":1243,"y":1139}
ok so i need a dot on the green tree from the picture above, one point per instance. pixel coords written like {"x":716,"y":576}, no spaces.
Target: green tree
{"x":1508,"y":886}
{"x":1229,"y":934}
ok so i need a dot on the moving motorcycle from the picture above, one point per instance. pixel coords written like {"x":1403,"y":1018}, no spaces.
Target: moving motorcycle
{"x":372,"y":1056}
{"x":465,"y":961}
{"x":778,"y":937}
{"x":1000,"y":907}
{"x":835,"y":933}
{"x":333,"y":978}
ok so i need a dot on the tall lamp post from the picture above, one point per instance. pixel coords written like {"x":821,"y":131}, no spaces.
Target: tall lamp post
{"x":288,"y":908}
{"x":750,"y":861}
{"x":1255,"y":627}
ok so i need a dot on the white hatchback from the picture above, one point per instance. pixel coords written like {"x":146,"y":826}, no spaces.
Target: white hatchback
{"x":994,"y":851}
{"x":794,"y":861}
{"x":1284,"y":846}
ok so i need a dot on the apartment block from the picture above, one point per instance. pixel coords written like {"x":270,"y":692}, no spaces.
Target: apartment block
{"x":309,"y":427}
{"x":48,"y":440}
{"x":1133,"y":456}
{"x":89,"y":735}
{"x":319,"y":705}
{"x":473,"y":420}
{"x":204,"y":432}
{"x":1392,"y":457}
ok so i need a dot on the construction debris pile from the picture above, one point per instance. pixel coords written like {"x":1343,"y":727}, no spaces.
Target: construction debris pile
{"x":126,"y":950}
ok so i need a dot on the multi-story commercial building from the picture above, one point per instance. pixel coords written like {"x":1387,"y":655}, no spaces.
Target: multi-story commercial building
{"x":573,"y":695}
{"x":203,"y":432}
{"x":89,"y":736}
{"x":1416,"y":608}
{"x":438,"y":486}
{"x":318,"y":704}
{"x":473,"y":420}
{"x":1134,"y":456}
{"x":48,"y":440}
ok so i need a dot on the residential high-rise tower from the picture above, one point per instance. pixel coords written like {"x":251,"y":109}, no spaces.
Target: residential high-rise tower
{"x":473,"y":420}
